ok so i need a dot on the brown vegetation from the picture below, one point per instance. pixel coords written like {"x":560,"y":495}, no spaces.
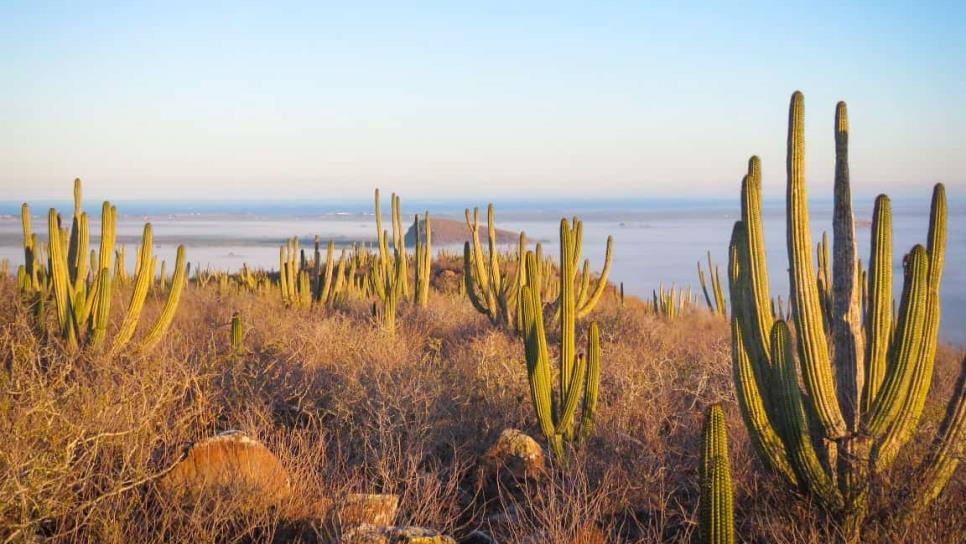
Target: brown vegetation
{"x":347,"y":409}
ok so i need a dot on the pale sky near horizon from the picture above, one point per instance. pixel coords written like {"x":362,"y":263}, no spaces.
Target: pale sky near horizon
{"x":289,"y":100}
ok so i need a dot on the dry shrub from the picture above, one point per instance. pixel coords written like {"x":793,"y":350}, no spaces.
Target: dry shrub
{"x":347,"y":408}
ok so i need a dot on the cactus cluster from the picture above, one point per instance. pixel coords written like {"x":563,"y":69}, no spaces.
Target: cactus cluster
{"x":389,"y":273}
{"x":492,"y":289}
{"x":578,"y":373}
{"x":717,"y":520}
{"x":715,"y":299}
{"x":865,"y":372}
{"x":494,"y":281}
{"x":79,"y":279}
{"x":670,"y":303}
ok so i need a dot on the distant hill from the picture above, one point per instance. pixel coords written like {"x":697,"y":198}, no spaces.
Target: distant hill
{"x":453,"y":232}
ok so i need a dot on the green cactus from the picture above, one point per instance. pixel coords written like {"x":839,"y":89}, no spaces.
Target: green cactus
{"x":237,"y":334}
{"x":80,"y":279}
{"x":492,"y":291}
{"x":579,"y":374}
{"x":670,"y":303}
{"x":717,"y":524}
{"x":387,"y":283}
{"x":717,"y":304}
{"x":424,"y":261}
{"x":866,"y":378}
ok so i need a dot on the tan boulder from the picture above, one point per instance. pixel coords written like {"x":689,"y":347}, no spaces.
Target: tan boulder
{"x":232,"y":464}
{"x":512,"y":460}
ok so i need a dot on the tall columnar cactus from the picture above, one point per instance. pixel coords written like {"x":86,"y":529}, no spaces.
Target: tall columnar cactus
{"x":294,"y":280}
{"x":717,"y":500}
{"x":388,"y":286}
{"x":717,"y":305}
{"x":82,"y":296}
{"x":866,"y":385}
{"x":494,"y":292}
{"x":424,"y":261}
{"x":389,"y":253}
{"x":578,"y":374}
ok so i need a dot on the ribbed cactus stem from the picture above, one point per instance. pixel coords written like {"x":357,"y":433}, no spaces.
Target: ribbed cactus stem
{"x":855,"y":422}
{"x":846,"y":318}
{"x":944,"y":458}
{"x":141,"y":283}
{"x":424,"y":260}
{"x":60,"y":278}
{"x":171,"y":305}
{"x":98,"y":326}
{"x":592,"y":383}
{"x":579,"y":375}
{"x":717,"y":525}
{"x":879,"y":311}
{"x":237,"y":334}
{"x":806,"y":306}
{"x":752,"y":387}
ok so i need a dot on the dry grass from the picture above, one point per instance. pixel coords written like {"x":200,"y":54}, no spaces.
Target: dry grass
{"x":348,"y":408}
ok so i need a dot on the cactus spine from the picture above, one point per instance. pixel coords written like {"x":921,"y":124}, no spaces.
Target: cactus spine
{"x":579,"y":374}
{"x":868,"y":403}
{"x":717,"y":500}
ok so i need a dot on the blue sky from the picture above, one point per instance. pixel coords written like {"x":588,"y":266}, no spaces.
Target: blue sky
{"x":607,"y":100}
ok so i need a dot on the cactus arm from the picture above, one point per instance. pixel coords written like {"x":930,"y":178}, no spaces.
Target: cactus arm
{"x":171,"y":305}
{"x":538,"y":356}
{"x":750,"y":388}
{"x":592,"y":384}
{"x":914,"y":401}
{"x":908,"y":338}
{"x":794,"y":425}
{"x":399,"y":242}
{"x":141,"y":282}
{"x":567,"y":307}
{"x":61,"y":281}
{"x":472,"y":284}
{"x":704,"y":288}
{"x":757,"y":265}
{"x":571,"y":400}
{"x":98,"y":326}
{"x":325,"y":294}
{"x":806,"y":307}
{"x":718,"y":289}
{"x":594,"y":298}
{"x":846,"y":318}
{"x":944,"y":458}
{"x":879,"y":311}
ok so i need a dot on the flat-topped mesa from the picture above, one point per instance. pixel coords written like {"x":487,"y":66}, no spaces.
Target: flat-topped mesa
{"x":447,"y":232}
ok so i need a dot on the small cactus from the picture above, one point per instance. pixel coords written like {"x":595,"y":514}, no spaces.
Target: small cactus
{"x":717,"y":525}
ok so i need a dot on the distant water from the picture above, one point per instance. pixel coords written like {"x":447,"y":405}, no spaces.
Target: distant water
{"x":655,"y":242}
